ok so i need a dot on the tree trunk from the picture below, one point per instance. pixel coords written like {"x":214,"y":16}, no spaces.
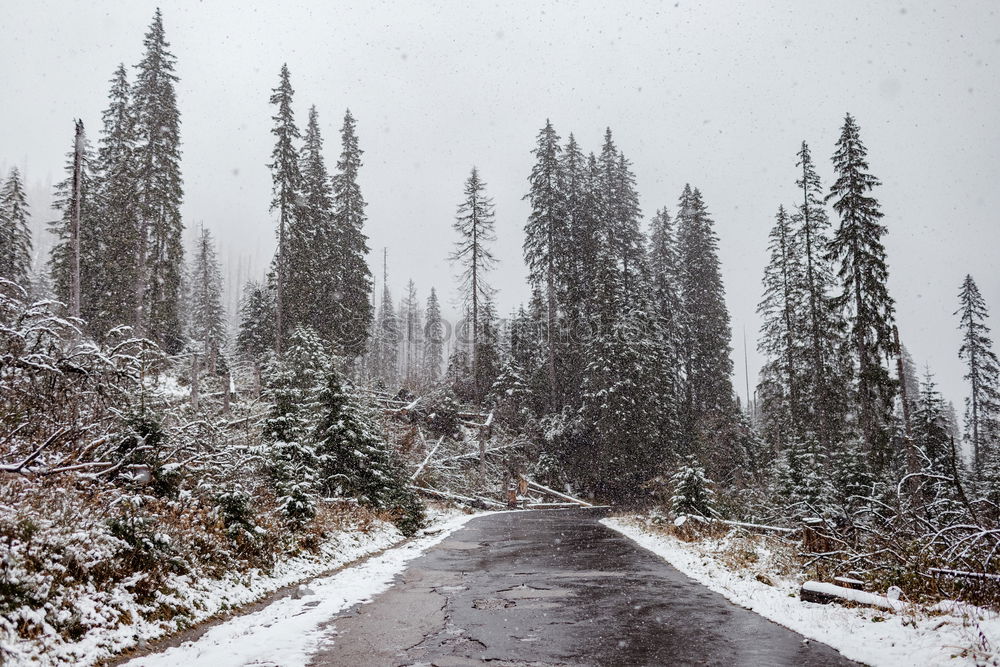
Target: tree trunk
{"x":194,"y":381}
{"x":279,"y":301}
{"x":74,"y":228}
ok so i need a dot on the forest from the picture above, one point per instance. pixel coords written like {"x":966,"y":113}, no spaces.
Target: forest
{"x":147,"y":436}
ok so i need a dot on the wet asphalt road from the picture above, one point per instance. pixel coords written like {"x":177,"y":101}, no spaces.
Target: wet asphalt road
{"x":554,"y":588}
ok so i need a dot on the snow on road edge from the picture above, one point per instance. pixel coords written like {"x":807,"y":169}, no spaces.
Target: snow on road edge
{"x":287,"y":631}
{"x":899,"y":639}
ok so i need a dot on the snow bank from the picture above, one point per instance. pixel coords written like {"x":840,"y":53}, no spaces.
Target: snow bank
{"x":876,"y":637}
{"x":288,"y":631}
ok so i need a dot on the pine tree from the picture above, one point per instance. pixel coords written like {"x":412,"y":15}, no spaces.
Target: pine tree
{"x":619,"y":447}
{"x":619,"y":225}
{"x":824,"y":380}
{"x":114,"y":300}
{"x":412,"y":339}
{"x":433,"y":354}
{"x":286,"y":181}
{"x":158,"y":190}
{"x":666,"y":305}
{"x":294,"y":385}
{"x":256,"y":332}
{"x":781,"y":312}
{"x":930,"y":427}
{"x":579,"y":179}
{"x":312,"y":270}
{"x":207,"y":316}
{"x":803,"y":481}
{"x":488,"y":351}
{"x":528,"y":348}
{"x":355,"y":461}
{"x":510,"y":395}
{"x":982,"y":407}
{"x":546,"y":241}
{"x":706,"y":352}
{"x":386,"y":354}
{"x":15,"y":235}
{"x":474,"y":223}
{"x":349,"y":217}
{"x":857,"y":246}
{"x":692,"y":493}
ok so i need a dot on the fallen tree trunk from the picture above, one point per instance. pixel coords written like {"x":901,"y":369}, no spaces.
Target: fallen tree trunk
{"x":475,"y":502}
{"x":824,"y":593}
{"x":427,"y":458}
{"x":538,"y":487}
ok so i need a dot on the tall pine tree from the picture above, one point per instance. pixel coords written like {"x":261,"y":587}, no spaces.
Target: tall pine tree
{"x":115,"y":300}
{"x":313,"y":272}
{"x":781,"y":312}
{"x":474,"y":223}
{"x":355,"y":284}
{"x":159,"y":190}
{"x":286,"y":180}
{"x":982,"y":407}
{"x":857,"y":246}
{"x":824,"y":378}
{"x":546,"y":241}
{"x":706,"y":351}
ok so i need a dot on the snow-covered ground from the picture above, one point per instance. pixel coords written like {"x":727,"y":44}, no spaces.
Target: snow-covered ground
{"x":288,"y":630}
{"x":202,"y":598}
{"x":872,"y":636}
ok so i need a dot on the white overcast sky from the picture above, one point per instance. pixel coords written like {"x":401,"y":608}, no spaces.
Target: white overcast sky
{"x":716,"y":94}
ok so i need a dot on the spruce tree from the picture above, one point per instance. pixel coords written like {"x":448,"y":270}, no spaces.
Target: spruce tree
{"x":207,"y":315}
{"x":619,"y":446}
{"x":15,"y":235}
{"x":355,"y":283}
{"x":433,"y":354}
{"x":256,"y":331}
{"x":781,"y":312}
{"x":114,"y":300}
{"x":412,"y":338}
{"x":857,"y":246}
{"x":982,"y":407}
{"x":294,"y":385}
{"x":474,"y":223}
{"x":488,"y":351}
{"x":706,"y":362}
{"x":619,"y":224}
{"x":311,"y":261}
{"x":666,"y":308}
{"x":930,"y":427}
{"x":286,"y":181}
{"x":824,"y":380}
{"x":546,"y":241}
{"x":356,"y":462}
{"x":386,"y":354}
{"x":580,"y":214}
{"x":158,"y":190}
{"x":692,"y":493}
